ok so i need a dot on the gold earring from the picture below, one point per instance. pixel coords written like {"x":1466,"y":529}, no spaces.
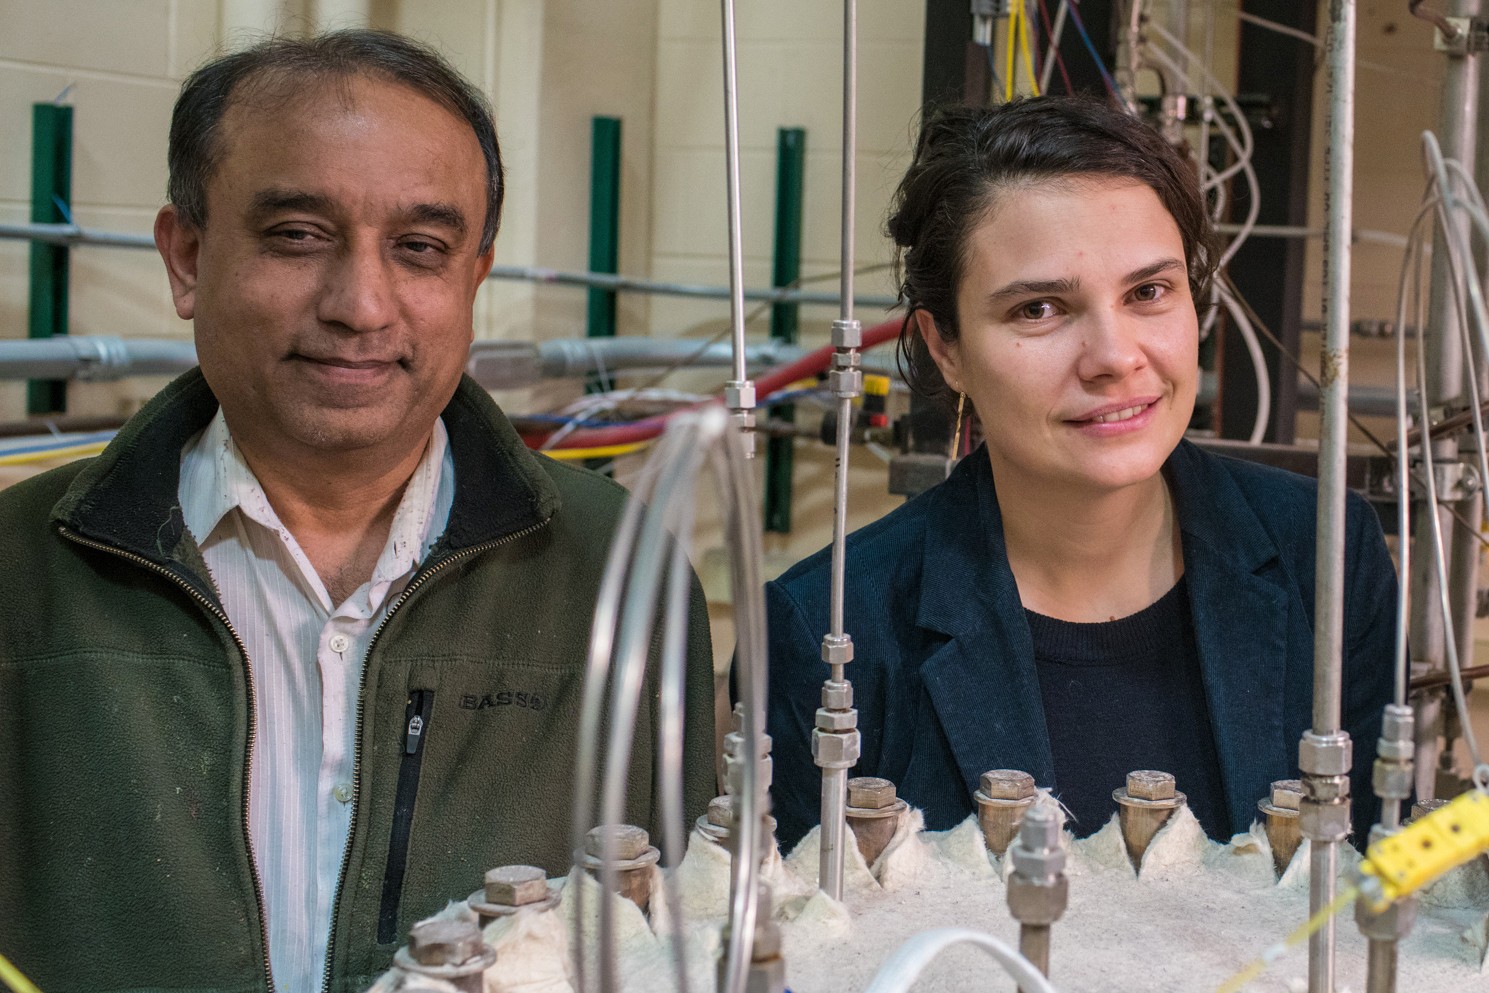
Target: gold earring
{"x":956,"y":437}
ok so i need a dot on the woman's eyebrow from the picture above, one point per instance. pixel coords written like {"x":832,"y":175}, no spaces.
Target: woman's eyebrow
{"x":1025,"y":287}
{"x":1154,"y":269}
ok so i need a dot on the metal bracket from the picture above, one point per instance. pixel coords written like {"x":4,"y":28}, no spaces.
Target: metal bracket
{"x":1470,"y":37}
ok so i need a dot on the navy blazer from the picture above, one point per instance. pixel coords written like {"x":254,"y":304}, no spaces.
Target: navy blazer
{"x":944,"y":677}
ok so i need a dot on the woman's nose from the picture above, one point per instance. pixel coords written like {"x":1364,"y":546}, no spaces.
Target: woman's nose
{"x":1111,"y":348}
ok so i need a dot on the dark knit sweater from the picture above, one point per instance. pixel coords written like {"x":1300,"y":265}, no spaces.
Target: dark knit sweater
{"x":1123,"y":695}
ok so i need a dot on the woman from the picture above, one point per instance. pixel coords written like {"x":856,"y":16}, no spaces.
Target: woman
{"x":1087,"y":593}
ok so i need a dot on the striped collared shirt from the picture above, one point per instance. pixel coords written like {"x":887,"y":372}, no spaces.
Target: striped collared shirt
{"x":306,"y":656}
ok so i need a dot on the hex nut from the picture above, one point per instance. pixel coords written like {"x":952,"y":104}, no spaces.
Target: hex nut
{"x":1149,"y":784}
{"x":516,"y":885}
{"x":1040,"y":830}
{"x":870,"y":793}
{"x":631,"y":841}
{"x":1324,"y":754}
{"x":835,"y":750}
{"x":1424,"y":807}
{"x":837,"y":651}
{"x":1398,"y":723}
{"x":1325,"y":790}
{"x":1036,"y":903}
{"x":1287,"y":793}
{"x":1007,"y":784}
{"x":1324,"y":822}
{"x":444,"y":942}
{"x":1392,"y":781}
{"x":837,"y":696}
{"x":721,"y":811}
{"x":836,"y":720}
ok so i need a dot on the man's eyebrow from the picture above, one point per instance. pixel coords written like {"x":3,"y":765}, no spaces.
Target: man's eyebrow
{"x":273,"y":201}
{"x":1153,"y":269}
{"x":442,"y":214}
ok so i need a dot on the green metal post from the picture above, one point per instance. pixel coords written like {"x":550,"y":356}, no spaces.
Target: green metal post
{"x":604,"y":221}
{"x":791,"y":151}
{"x":51,"y":197}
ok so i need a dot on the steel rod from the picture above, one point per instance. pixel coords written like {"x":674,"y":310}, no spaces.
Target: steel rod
{"x":1323,"y":755}
{"x":835,"y":741}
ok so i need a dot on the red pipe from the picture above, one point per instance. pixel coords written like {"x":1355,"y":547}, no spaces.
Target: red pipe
{"x":773,"y":381}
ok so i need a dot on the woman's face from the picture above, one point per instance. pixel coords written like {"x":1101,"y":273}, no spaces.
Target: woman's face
{"x":1079,"y":341}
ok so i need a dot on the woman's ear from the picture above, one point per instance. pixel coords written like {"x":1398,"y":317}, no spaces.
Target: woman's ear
{"x":944,"y":353}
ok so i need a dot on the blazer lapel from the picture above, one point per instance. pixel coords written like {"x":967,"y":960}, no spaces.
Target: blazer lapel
{"x":1242,"y":618}
{"x":982,"y":682}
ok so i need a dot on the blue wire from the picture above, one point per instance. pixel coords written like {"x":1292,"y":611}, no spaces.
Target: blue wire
{"x":1111,"y":84}
{"x":59,"y":443}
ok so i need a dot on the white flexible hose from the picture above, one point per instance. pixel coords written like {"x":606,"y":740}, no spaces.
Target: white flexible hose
{"x":1258,"y":364}
{"x":908,"y":961}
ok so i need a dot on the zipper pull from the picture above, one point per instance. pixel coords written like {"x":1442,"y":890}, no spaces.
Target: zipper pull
{"x":415,"y":735}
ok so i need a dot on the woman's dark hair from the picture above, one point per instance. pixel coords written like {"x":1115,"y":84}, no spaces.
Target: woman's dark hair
{"x":967,"y":156}
{"x":287,"y":65}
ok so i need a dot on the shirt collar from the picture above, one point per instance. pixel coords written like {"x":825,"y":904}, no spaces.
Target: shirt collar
{"x":216,"y":479}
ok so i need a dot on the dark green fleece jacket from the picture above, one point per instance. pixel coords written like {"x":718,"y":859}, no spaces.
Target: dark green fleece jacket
{"x":126,"y":714}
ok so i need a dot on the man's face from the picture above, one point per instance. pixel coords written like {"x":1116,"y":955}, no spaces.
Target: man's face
{"x":332,"y":284}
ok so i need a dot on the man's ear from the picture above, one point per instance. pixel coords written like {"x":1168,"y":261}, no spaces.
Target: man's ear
{"x":179,"y":242}
{"x":944,"y":353}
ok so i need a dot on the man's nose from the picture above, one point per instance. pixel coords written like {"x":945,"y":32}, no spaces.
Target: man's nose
{"x":358,"y":292}
{"x":1111,"y":347}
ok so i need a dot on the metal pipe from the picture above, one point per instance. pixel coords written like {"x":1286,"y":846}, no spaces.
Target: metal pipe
{"x":1457,"y":134}
{"x":1324,"y":753}
{"x":1380,"y":967}
{"x":94,"y":357}
{"x":835,"y":739}
{"x":739,"y":392}
{"x":71,"y":234}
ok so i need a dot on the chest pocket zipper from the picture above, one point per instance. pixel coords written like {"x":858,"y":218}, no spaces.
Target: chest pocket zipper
{"x":415,"y":736}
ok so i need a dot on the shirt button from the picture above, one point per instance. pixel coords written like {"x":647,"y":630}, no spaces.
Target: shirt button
{"x":339,"y":643}
{"x":343,"y":792}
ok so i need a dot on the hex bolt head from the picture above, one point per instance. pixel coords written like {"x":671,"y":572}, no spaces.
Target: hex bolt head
{"x":630,"y":841}
{"x":1149,"y":784}
{"x":1424,"y":807}
{"x":721,"y":811}
{"x":516,"y":885}
{"x":444,"y":942}
{"x":870,"y":793}
{"x":1287,"y":793}
{"x":1007,"y":784}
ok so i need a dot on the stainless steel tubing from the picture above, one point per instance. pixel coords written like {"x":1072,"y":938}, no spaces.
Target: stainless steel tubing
{"x":739,"y":392}
{"x":1323,"y":756}
{"x":750,"y":832}
{"x":1458,"y":135}
{"x":94,"y":357}
{"x":835,"y":739}
{"x":1380,"y":967}
{"x":71,"y":234}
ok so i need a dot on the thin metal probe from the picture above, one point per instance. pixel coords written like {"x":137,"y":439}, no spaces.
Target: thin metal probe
{"x":1322,"y":747}
{"x":739,"y":392}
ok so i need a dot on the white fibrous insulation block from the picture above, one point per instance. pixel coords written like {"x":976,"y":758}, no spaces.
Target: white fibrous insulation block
{"x":1199,"y":912}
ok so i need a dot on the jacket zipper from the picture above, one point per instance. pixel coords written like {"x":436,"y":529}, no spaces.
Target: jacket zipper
{"x":416,"y":732}
{"x":221,"y":615}
{"x":408,"y":591}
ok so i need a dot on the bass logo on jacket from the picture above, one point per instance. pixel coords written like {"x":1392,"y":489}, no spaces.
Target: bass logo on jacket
{"x":502,"y":698}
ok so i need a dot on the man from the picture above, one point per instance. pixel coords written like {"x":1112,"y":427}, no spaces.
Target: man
{"x":299,"y":656}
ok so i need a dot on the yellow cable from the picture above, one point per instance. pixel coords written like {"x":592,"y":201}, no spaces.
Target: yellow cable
{"x":1276,"y":951}
{"x":14,"y":978}
{"x":1024,"y":47}
{"x":72,"y":451}
{"x":602,"y":452}
{"x":1009,"y":67}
